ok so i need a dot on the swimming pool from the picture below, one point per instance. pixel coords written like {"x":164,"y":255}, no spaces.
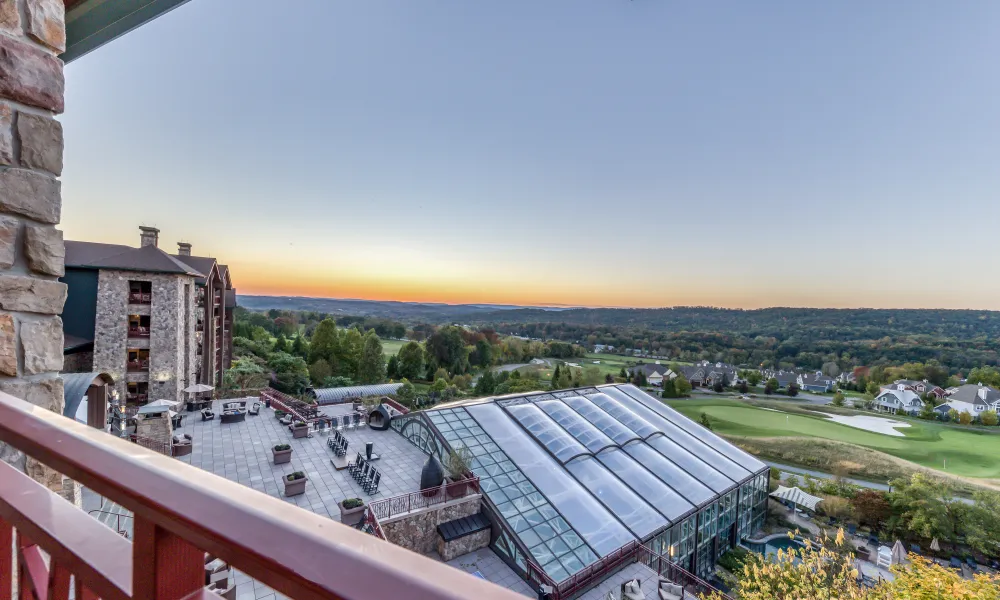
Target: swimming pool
{"x":780,"y":543}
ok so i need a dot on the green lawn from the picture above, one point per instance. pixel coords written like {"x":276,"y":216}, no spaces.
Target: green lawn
{"x":611,"y":363}
{"x":968,"y":453}
{"x":390,"y":347}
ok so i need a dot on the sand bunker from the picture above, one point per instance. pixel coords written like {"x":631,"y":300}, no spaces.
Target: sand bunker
{"x":873,"y":424}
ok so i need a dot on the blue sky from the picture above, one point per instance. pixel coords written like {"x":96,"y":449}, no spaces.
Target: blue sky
{"x":598,"y":152}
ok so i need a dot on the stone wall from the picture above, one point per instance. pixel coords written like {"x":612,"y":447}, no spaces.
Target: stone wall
{"x":463,"y":545}
{"x":171,"y":340}
{"x":78,"y":362}
{"x":417,"y":531}
{"x":32,"y":34}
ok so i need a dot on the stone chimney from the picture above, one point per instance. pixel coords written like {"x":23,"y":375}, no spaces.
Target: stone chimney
{"x":183,"y":249}
{"x":148,"y":236}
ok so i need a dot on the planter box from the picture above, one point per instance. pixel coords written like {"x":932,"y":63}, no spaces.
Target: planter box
{"x":294,"y":487}
{"x":300,"y":432}
{"x":282,"y":456}
{"x":456,"y":488}
{"x":351,"y":516}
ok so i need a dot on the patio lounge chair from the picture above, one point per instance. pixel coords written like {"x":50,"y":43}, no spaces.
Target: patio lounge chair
{"x":356,"y":420}
{"x":915,"y":549}
{"x":955,"y":563}
{"x":852,"y":529}
{"x":632,"y":590}
{"x":668,"y":590}
{"x":207,"y":414}
{"x":972,"y":563}
{"x":255,"y":409}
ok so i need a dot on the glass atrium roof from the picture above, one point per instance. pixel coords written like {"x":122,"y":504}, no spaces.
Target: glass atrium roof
{"x":577,"y":474}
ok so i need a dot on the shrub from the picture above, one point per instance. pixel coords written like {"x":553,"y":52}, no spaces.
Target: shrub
{"x":296,"y":476}
{"x":278,"y":414}
{"x":350,"y":503}
{"x":734,"y":559}
{"x":964,"y":417}
{"x":989,"y":417}
{"x":836,"y":507}
{"x":281,"y":447}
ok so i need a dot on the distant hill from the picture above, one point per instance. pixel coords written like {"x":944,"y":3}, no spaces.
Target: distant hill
{"x":403,"y":311}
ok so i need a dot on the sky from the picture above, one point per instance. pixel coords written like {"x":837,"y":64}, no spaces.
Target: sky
{"x":577,"y":152}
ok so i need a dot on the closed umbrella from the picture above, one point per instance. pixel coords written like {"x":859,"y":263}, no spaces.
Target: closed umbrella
{"x":898,"y":553}
{"x":935,"y":546}
{"x":167,"y":403}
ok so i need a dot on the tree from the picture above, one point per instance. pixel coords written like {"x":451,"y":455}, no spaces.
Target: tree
{"x":953,"y":415}
{"x":392,"y":367}
{"x":838,"y":398}
{"x":325,"y":343}
{"x":984,"y":375}
{"x":406,"y":392}
{"x":486,"y":384}
{"x":669,"y":389}
{"x":873,"y":388}
{"x":923,"y":579}
{"x":441,"y":375}
{"x":623,"y":374}
{"x":753,"y":378}
{"x":773,"y":384}
{"x":717,"y":388}
{"x":299,"y":347}
{"x":483,"y":354}
{"x":349,"y":353}
{"x":280,"y":344}
{"x":793,"y":390}
{"x":682,"y":387}
{"x":446,"y":348}
{"x":371,"y":364}
{"x":744,"y":388}
{"x":290,"y":373}
{"x":705,"y":422}
{"x":989,"y":417}
{"x":245,"y":374}
{"x":872,"y":508}
{"x":982,"y":522}
{"x":927,"y":411}
{"x":609,"y":378}
{"x":319,"y":371}
{"x":411,"y":361}
{"x":925,"y":507}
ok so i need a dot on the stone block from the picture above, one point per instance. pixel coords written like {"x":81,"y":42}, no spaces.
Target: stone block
{"x":8,"y":346}
{"x":8,"y":241}
{"x":30,"y":75}
{"x":6,"y":134}
{"x":44,"y":393}
{"x":10,"y":20}
{"x":42,"y":342}
{"x":47,"y":23}
{"x":30,"y":194}
{"x":41,"y":142}
{"x":44,"y":249}
{"x":30,"y":294}
{"x":44,"y":475}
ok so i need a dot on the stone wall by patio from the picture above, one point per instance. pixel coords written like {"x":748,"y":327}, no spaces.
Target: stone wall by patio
{"x":32,"y":34}
{"x":463,"y":545}
{"x":417,"y":531}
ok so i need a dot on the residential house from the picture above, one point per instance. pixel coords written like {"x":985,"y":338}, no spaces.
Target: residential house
{"x":784,"y":378}
{"x":146,"y":318}
{"x":922,"y":388}
{"x":706,"y":374}
{"x":847,"y":377}
{"x":899,"y":401}
{"x":815,"y":382}
{"x":655,"y":373}
{"x":973,"y":398}
{"x":599,"y":348}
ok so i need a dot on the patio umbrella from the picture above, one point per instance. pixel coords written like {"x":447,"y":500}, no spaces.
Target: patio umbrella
{"x":898,"y":553}
{"x":167,"y":403}
{"x":935,"y":546}
{"x":198,"y":388}
{"x":796,"y":496}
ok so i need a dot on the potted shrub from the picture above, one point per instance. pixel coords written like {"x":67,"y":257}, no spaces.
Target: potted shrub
{"x":352,"y":510}
{"x":457,"y":466}
{"x":278,"y":413}
{"x":282,"y":454}
{"x":295,"y":483}
{"x":300,"y":429}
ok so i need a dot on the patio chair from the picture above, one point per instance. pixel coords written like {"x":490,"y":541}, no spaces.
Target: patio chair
{"x":363,"y":473}
{"x":356,"y":465}
{"x":372,"y":487}
{"x":347,"y":422}
{"x":335,"y":426}
{"x":342,"y":447}
{"x":356,"y":420}
{"x":331,"y":443}
{"x":915,"y":549}
{"x":207,"y":414}
{"x":972,"y":563}
{"x":852,"y":529}
{"x":255,"y":409}
{"x":954,"y":563}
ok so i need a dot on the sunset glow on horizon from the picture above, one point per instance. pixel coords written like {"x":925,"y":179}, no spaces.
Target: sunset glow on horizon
{"x":619,"y":154}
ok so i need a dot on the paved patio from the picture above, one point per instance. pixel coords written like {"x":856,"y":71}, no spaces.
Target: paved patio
{"x":241,"y":452}
{"x":488,"y":565}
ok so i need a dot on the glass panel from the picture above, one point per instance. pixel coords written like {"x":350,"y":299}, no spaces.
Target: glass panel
{"x":632,"y":510}
{"x":627,"y":418}
{"x":547,"y":432}
{"x":600,"y":419}
{"x":584,"y":513}
{"x":689,"y":442}
{"x":686,"y":485}
{"x":690,"y":463}
{"x":581,"y":429}
{"x":658,"y":494}
{"x":731,"y":451}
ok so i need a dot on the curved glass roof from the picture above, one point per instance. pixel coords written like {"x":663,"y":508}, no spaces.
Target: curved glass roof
{"x":577,"y":474}
{"x":578,"y":427}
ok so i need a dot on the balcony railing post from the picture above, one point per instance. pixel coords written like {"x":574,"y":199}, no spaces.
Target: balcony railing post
{"x":7,"y":561}
{"x":165,"y":566}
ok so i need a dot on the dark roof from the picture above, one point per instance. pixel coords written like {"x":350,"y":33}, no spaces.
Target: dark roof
{"x":150,"y":259}
{"x":970,"y":393}
{"x":75,"y":387}
{"x":231,"y":298}
{"x":202,"y":264}
{"x":72,"y":342}
{"x":650,"y":369}
{"x":452,"y":530}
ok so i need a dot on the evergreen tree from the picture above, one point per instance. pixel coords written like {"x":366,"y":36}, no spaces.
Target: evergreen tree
{"x":349,"y":353}
{"x":555,"y":378}
{"x":392,"y":367}
{"x":299,"y":347}
{"x":486,"y":384}
{"x":325,"y":343}
{"x":371,"y":363}
{"x":280,"y":344}
{"x":411,"y":360}
{"x":681,"y":386}
{"x":669,"y":389}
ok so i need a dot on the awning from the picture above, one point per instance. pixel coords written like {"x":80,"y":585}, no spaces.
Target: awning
{"x":796,"y":496}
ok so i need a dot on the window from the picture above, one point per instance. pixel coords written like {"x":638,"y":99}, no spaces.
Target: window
{"x":140,"y":292}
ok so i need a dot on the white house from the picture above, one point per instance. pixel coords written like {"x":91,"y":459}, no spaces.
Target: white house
{"x":898,"y":401}
{"x":973,"y":398}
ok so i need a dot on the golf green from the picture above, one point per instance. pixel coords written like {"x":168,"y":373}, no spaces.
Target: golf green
{"x":969,"y":453}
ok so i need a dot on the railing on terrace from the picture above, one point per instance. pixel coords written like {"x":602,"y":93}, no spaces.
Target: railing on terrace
{"x":180,"y":513}
{"x":138,"y":332}
{"x":386,"y":508}
{"x":138,"y":365}
{"x":138,"y":298}
{"x":371,"y":525}
{"x":389,"y":401}
{"x":293,"y":406}
{"x":155,"y":445}
{"x":136,"y":398}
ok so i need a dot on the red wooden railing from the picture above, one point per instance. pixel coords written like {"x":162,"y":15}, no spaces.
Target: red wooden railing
{"x":137,"y":298}
{"x":372,"y":525}
{"x":155,"y":445}
{"x":386,"y":508}
{"x":138,"y":332}
{"x":181,"y":512}
{"x":138,"y":365}
{"x":136,"y":398}
{"x":394,"y":404}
